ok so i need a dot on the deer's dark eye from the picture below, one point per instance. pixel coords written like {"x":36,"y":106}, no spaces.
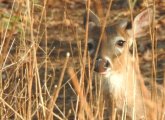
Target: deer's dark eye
{"x":90,"y":46}
{"x":120,"y":43}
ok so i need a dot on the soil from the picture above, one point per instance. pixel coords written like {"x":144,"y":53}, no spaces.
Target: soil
{"x":61,"y":30}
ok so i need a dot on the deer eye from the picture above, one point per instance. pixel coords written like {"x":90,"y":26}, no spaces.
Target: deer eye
{"x":90,"y":46}
{"x":120,"y":43}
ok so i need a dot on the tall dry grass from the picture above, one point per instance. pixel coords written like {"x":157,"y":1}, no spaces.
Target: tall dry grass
{"x":37,"y":79}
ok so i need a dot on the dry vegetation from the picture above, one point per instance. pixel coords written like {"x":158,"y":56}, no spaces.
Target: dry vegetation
{"x":40,"y":80}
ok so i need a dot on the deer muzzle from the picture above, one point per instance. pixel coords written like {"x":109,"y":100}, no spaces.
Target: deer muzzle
{"x":102,"y":65}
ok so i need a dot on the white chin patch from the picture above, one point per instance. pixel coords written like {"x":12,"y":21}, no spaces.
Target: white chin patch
{"x":107,"y":73}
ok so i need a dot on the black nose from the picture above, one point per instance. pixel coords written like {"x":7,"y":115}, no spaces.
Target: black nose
{"x":101,"y":65}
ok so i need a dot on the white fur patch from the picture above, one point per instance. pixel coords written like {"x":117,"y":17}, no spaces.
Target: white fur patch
{"x":114,"y":83}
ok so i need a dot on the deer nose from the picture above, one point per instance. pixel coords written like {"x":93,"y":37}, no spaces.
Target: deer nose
{"x":102,"y":65}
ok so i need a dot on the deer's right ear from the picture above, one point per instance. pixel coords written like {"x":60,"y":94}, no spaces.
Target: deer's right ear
{"x":142,"y":22}
{"x":93,"y":20}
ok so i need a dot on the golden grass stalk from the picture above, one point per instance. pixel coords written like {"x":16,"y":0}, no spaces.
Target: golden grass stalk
{"x":79,"y":91}
{"x":56,"y":90}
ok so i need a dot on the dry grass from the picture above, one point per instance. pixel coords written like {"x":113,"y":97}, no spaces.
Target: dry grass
{"x":39,"y":81}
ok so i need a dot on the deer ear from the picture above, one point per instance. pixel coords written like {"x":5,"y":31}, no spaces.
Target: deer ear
{"x":142,"y":22}
{"x":93,"y":20}
{"x":123,"y":24}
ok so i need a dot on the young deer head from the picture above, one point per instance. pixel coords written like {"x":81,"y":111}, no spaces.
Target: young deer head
{"x":113,"y":60}
{"x":115,"y":42}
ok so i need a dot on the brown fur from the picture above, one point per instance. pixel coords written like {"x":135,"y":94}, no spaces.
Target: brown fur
{"x":123,"y":86}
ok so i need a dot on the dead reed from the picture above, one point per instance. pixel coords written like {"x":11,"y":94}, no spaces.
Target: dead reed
{"x":38,"y":80}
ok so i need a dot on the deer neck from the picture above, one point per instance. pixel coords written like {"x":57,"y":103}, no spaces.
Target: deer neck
{"x":120,"y":82}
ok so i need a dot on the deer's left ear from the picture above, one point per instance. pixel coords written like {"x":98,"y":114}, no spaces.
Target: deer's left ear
{"x":123,"y":24}
{"x":142,"y":22}
{"x":93,"y":19}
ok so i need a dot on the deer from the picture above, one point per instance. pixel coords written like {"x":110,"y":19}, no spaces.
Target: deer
{"x":121,"y":81}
